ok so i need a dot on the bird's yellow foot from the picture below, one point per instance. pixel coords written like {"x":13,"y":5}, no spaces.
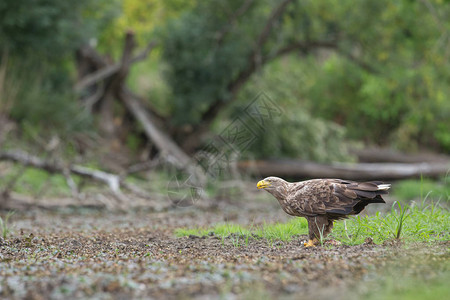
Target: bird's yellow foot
{"x":310,"y":243}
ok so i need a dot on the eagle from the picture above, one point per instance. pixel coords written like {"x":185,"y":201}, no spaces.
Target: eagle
{"x":323,"y":201}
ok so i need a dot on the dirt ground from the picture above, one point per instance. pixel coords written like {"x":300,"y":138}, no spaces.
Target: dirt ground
{"x":82,"y":253}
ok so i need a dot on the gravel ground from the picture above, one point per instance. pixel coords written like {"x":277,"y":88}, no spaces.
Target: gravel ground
{"x":103,"y":255}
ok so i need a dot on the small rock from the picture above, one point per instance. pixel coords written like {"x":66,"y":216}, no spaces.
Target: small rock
{"x":332,"y":242}
{"x":368,"y":241}
{"x":113,"y":286}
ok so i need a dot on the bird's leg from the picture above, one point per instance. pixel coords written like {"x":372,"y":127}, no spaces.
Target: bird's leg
{"x":311,"y":243}
{"x":315,"y":230}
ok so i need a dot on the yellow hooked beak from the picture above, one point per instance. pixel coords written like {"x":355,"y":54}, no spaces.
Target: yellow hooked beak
{"x":262,"y":184}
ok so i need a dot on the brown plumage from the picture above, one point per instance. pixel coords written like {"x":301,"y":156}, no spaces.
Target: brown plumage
{"x":322,"y":201}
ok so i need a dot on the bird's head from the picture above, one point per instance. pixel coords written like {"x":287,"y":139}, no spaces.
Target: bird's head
{"x":271,"y":184}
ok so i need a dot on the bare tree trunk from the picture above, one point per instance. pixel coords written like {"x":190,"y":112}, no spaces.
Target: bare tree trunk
{"x":114,"y":77}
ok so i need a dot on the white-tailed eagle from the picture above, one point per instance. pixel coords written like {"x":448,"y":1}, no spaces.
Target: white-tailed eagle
{"x":322,"y":201}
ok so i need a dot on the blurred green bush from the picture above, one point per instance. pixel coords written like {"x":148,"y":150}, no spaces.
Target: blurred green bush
{"x":38,"y":40}
{"x":384,"y":82}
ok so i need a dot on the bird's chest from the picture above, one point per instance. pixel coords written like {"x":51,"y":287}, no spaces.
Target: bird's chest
{"x":289,"y":208}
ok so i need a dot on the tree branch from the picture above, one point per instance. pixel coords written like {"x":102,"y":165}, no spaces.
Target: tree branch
{"x":158,"y":118}
{"x":363,"y":65}
{"x":264,"y":35}
{"x":209,"y":115}
{"x":167,"y":147}
{"x":302,"y":46}
{"x":111,"y":180}
{"x":245,"y":75}
{"x":110,"y":70}
{"x":239,"y":12}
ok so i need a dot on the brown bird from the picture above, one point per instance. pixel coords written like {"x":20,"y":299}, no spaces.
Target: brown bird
{"x":322,"y":201}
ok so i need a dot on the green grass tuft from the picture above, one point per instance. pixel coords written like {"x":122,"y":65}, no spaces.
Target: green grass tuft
{"x":409,"y":224}
{"x":271,"y":232}
{"x":4,"y":227}
{"x":283,"y":231}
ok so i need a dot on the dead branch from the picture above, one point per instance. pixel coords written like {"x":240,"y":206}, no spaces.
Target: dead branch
{"x":111,"y":180}
{"x":157,"y":118}
{"x":142,"y":166}
{"x":92,"y":57}
{"x":97,"y":76}
{"x":23,"y":202}
{"x":90,"y":101}
{"x":71,"y":184}
{"x":168,"y":148}
{"x":110,"y":70}
{"x":162,"y":141}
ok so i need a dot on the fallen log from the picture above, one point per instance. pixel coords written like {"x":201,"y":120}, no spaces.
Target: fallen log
{"x":357,"y":171}
{"x":378,"y":155}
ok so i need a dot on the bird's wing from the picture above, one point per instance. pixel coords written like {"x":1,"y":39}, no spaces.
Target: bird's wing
{"x":344,"y":197}
{"x":323,"y":196}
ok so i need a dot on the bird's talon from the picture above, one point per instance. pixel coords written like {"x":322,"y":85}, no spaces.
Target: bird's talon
{"x":310,"y":243}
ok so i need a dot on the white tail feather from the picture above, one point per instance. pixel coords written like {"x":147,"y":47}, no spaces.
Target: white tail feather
{"x":383,"y":187}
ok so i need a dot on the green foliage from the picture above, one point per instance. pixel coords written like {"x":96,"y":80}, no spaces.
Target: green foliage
{"x":43,"y":100}
{"x":384,"y":77}
{"x":388,"y":81}
{"x":39,"y":39}
{"x":143,"y":17}
{"x":34,"y":182}
{"x":412,"y":189}
{"x":48,"y":28}
{"x":296,"y":132}
{"x":384,"y":80}
{"x":201,"y":63}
